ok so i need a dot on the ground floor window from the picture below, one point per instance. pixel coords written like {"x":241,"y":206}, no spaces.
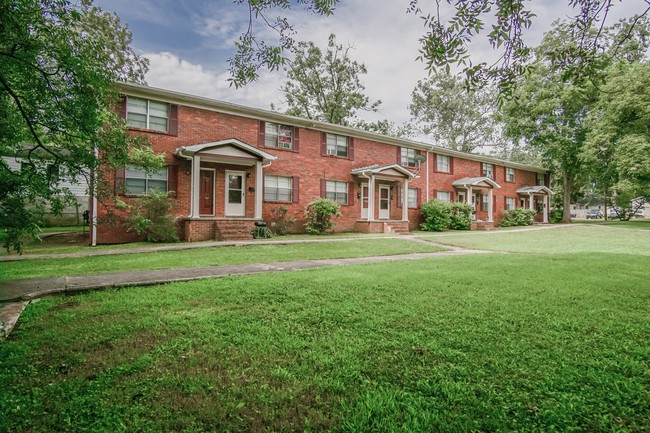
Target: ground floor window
{"x":443,"y":195}
{"x":413,"y":198}
{"x":138,"y":181}
{"x":510,"y":203}
{"x":277,"y":188}
{"x":337,"y":191}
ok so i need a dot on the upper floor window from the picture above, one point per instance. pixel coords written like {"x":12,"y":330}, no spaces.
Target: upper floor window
{"x":138,"y":181}
{"x":277,"y":188}
{"x":408,"y":157}
{"x":147,"y":114}
{"x":443,"y":163}
{"x":443,"y":195}
{"x":337,"y":145}
{"x":510,"y":203}
{"x":510,"y":174}
{"x":540,"y":179}
{"x":277,"y":135}
{"x":337,"y":191}
{"x":488,"y":170}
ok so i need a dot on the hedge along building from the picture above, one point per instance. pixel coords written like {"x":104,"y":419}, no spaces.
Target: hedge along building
{"x":229,"y":166}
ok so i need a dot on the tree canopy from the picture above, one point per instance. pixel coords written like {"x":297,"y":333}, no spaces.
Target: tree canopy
{"x":59,"y":61}
{"x":452,"y":116}
{"x":326,"y":86}
{"x":451,"y":27}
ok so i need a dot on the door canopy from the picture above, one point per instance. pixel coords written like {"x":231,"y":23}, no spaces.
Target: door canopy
{"x":231,"y":151}
{"x":394,"y":171}
{"x":475,"y":182}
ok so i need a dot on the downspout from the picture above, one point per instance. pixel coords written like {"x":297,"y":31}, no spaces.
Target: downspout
{"x":94,"y":200}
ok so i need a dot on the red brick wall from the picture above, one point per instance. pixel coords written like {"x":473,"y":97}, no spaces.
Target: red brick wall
{"x":196,"y":126}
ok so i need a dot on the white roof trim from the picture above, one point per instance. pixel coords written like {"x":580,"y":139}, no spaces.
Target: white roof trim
{"x":534,"y":189}
{"x":377,"y":169}
{"x":191,"y":150}
{"x":188,"y":100}
{"x":475,"y":181}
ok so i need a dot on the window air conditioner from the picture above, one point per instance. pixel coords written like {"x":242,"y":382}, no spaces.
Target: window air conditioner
{"x":331,"y":152}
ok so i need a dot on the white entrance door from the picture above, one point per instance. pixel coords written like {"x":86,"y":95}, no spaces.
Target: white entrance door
{"x":364,"y":201}
{"x":384,"y":202}
{"x":235,"y":186}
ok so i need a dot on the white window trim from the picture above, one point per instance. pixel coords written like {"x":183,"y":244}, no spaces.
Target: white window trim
{"x":146,"y":177}
{"x":336,"y":193}
{"x":438,"y":159}
{"x":147,"y":114}
{"x":404,"y":160}
{"x":487,"y":170}
{"x":278,"y":135}
{"x":276,"y":200}
{"x":336,"y":146}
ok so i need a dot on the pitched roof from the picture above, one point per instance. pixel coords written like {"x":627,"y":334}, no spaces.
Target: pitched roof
{"x":476,"y":181}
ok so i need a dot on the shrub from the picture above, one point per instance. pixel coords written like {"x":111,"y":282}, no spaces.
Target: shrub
{"x":280,"y":224}
{"x":443,"y":215}
{"x":517,"y":217}
{"x":149,"y":216}
{"x":436,"y":215}
{"x":319,"y":215}
{"x":461,"y":216}
{"x":261,"y":233}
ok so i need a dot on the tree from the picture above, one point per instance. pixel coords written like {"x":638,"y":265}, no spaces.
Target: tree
{"x":447,"y":38}
{"x":453,"y":116}
{"x":326,"y":87}
{"x":617,"y":147}
{"x":58,"y":64}
{"x":549,"y":109}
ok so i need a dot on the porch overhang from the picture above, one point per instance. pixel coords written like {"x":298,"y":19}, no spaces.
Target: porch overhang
{"x":230,"y":151}
{"x":394,"y":171}
{"x":475,"y":182}
{"x":539,"y":189}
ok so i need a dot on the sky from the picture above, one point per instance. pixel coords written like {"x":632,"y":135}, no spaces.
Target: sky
{"x":189,"y":42}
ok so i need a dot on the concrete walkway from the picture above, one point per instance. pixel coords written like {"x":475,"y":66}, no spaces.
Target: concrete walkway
{"x":14,"y":294}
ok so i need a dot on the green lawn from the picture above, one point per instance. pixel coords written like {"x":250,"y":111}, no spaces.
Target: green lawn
{"x":211,"y":256}
{"x":530,"y":342}
{"x":576,"y":239}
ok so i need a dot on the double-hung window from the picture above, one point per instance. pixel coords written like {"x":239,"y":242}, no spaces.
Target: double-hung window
{"x":488,"y":170}
{"x":484,"y":202}
{"x":408,"y":157}
{"x":412,"y":199}
{"x":510,"y":174}
{"x":147,"y":114}
{"x":277,"y":135}
{"x":337,"y":145}
{"x":337,"y":191}
{"x":443,"y":163}
{"x":540,"y":179}
{"x":277,"y":188}
{"x":443,"y":195}
{"x":510,"y":203}
{"x":138,"y":181}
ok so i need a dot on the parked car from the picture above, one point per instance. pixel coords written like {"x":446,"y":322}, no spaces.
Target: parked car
{"x":593,"y":214}
{"x":573,"y":214}
{"x":613,"y":213}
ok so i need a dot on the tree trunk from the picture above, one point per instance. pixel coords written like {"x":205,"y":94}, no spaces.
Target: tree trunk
{"x":566,"y":199}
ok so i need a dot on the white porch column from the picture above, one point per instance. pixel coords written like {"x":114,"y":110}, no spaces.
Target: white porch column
{"x":405,"y":200}
{"x":371,"y":198}
{"x":259,"y":190}
{"x":530,"y":201}
{"x":470,"y":201}
{"x":490,"y":203}
{"x":546,"y":209}
{"x":194,"y":196}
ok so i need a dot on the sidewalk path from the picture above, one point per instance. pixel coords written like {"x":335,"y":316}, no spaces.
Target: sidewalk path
{"x":15,"y":293}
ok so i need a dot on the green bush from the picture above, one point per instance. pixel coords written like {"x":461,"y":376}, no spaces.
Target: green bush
{"x":461,"y":216}
{"x":319,"y":215}
{"x":149,"y":216}
{"x":442,"y":215}
{"x":261,"y":233}
{"x":517,"y":217}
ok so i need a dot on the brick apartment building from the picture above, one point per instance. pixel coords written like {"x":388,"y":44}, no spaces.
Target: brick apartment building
{"x":229,"y":166}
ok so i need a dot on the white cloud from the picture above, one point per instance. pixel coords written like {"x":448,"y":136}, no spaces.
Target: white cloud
{"x":167,"y":71}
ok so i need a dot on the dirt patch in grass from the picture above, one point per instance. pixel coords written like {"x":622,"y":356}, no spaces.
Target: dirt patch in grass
{"x":64,"y":306}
